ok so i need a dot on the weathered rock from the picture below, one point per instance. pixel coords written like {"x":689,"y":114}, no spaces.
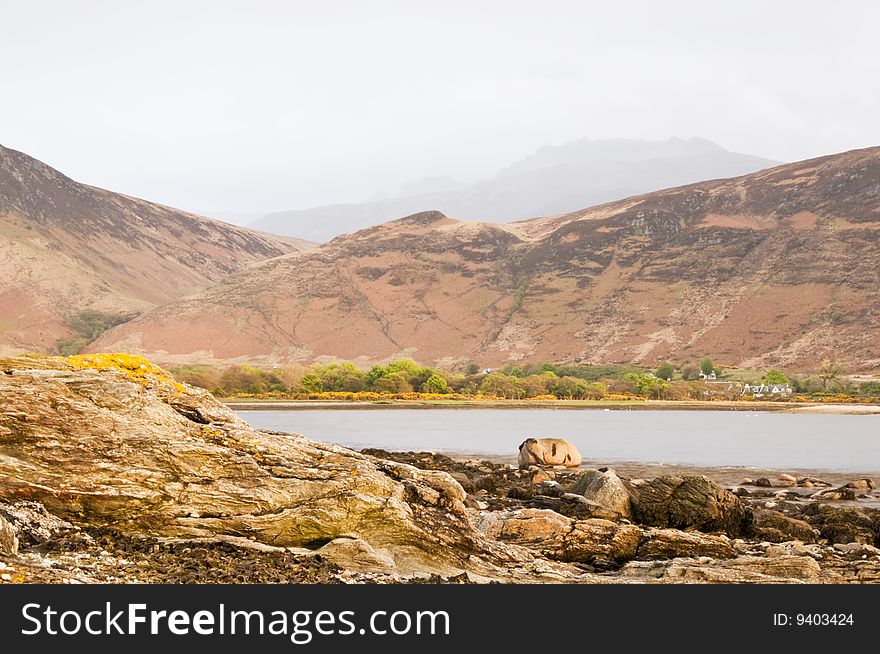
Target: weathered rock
{"x":8,"y":538}
{"x":744,"y":569}
{"x":673,"y":543}
{"x":564,"y":539}
{"x":32,"y":523}
{"x":835,"y":494}
{"x":844,"y":525}
{"x":786,"y":481}
{"x":691,"y":503}
{"x":776,"y":527}
{"x":607,"y":490}
{"x":861,"y":484}
{"x":763,"y":482}
{"x":548,"y":452}
{"x":572,"y":506}
{"x":119,"y":443}
{"x":356,"y":554}
{"x":812,"y":482}
{"x":584,"y":480}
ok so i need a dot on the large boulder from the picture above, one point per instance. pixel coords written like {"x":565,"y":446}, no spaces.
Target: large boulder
{"x":691,"y":502}
{"x":607,"y":490}
{"x":113,"y":441}
{"x":548,"y":452}
{"x":673,"y":543}
{"x":844,"y":524}
{"x":776,"y":527}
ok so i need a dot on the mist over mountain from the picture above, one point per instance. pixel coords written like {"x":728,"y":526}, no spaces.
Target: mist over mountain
{"x":553,"y":180}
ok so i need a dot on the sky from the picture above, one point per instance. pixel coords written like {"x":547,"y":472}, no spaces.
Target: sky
{"x":241,"y":108}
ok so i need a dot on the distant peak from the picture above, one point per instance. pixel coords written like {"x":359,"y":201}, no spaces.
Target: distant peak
{"x":422,"y":218}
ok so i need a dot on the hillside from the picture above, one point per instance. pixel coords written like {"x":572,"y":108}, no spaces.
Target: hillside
{"x":553,"y":180}
{"x":779,"y":267}
{"x":66,"y":247}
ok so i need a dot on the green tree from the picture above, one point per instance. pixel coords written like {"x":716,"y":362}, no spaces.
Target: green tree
{"x":775,"y":376}
{"x":392,"y":383}
{"x":434,"y":384}
{"x":706,"y":366}
{"x":311,"y":383}
{"x":665,"y":371}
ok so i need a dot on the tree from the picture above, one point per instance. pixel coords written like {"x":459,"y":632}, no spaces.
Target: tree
{"x":775,"y":376}
{"x":706,"y":366}
{"x":392,"y":383}
{"x":665,"y":371}
{"x":690,"y":371}
{"x":311,"y":383}
{"x":828,"y":371}
{"x":434,"y":384}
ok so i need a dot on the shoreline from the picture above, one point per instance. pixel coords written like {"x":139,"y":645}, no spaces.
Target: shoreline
{"x":569,"y":405}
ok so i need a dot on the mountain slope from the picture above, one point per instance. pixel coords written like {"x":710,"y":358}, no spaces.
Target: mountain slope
{"x":66,"y":246}
{"x":780,"y":267}
{"x":554,"y":180}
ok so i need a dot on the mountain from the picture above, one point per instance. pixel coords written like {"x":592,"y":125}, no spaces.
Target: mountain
{"x":66,"y":247}
{"x":780,"y":267}
{"x":554,"y":180}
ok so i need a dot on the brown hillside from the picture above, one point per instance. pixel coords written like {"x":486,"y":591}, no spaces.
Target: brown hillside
{"x":65,"y":246}
{"x":778,"y":267}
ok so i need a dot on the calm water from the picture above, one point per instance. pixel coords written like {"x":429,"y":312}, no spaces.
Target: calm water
{"x":696,"y":438}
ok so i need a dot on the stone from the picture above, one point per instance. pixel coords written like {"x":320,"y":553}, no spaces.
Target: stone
{"x":835,"y":494}
{"x":572,"y":506}
{"x":786,"y":481}
{"x":844,"y":524}
{"x":147,"y":455}
{"x":584,"y":480}
{"x":673,"y":543}
{"x":776,"y":527}
{"x":548,"y":452}
{"x":763,"y":482}
{"x":32,"y":523}
{"x":812,"y":482}
{"x":8,"y":539}
{"x":691,"y":502}
{"x":607,"y":490}
{"x":357,"y":554}
{"x":861,"y":484}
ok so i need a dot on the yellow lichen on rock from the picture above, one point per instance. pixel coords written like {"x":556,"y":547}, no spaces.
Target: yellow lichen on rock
{"x":135,"y":367}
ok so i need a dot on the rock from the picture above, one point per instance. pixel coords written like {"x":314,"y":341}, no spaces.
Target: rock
{"x":572,"y":506}
{"x":763,"y":482}
{"x":551,"y":488}
{"x":32,"y":523}
{"x":691,"y":503}
{"x":607,"y":490}
{"x":861,"y":484}
{"x":558,"y":537}
{"x":672,"y":543}
{"x":776,"y":527}
{"x":786,"y":481}
{"x":747,"y":482}
{"x":584,"y":480}
{"x":844,"y":524}
{"x":539,"y":476}
{"x":857,"y":550}
{"x":835,"y":494}
{"x":747,"y":569}
{"x":126,"y":447}
{"x":8,"y":539}
{"x":548,"y":452}
{"x":465,"y":481}
{"x":812,"y":482}
{"x":356,"y":554}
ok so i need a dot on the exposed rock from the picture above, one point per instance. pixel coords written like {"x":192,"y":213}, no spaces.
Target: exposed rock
{"x":573,"y":506}
{"x":691,"y":503}
{"x":8,"y":538}
{"x":812,"y":482}
{"x":356,"y":554}
{"x":32,"y":523}
{"x":584,"y":480}
{"x":861,"y":484}
{"x":673,"y":543}
{"x":835,"y":494}
{"x":845,"y":525}
{"x":142,"y":459}
{"x":607,"y":490}
{"x":548,"y":452}
{"x":777,"y":527}
{"x":786,"y":481}
{"x":763,"y":482}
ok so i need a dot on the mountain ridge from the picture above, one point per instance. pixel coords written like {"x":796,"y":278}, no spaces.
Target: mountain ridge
{"x":779,"y":267}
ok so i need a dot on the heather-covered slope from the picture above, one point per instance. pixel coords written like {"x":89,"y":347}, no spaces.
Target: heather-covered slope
{"x":778,"y":267}
{"x":66,"y":246}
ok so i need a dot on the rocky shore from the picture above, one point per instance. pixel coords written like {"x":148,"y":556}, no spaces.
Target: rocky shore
{"x":110,"y":471}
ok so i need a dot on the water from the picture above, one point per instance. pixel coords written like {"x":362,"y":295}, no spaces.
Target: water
{"x":693,"y":438}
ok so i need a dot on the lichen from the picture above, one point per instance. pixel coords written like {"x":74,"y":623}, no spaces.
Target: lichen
{"x":136,"y":368}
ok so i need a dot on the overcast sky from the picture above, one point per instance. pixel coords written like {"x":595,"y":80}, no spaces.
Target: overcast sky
{"x":258,"y":106}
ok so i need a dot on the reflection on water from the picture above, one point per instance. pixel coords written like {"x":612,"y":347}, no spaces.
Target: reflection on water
{"x":693,"y":438}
